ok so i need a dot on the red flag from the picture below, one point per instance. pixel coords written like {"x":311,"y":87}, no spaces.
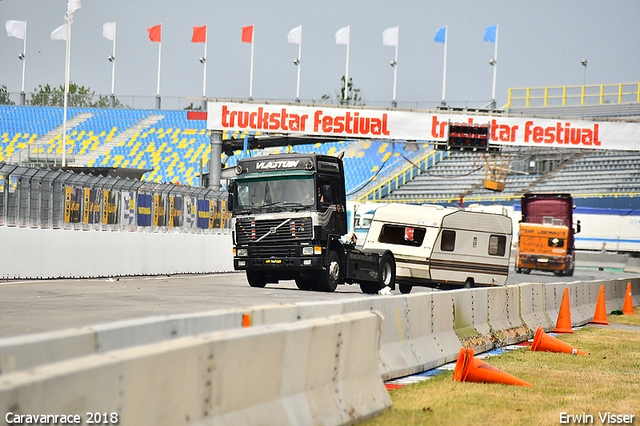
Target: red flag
{"x":155,"y":33}
{"x":199,"y":34}
{"x":247,"y":34}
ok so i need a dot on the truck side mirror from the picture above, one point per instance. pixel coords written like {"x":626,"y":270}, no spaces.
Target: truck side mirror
{"x":231,"y":190}
{"x":578,"y":227}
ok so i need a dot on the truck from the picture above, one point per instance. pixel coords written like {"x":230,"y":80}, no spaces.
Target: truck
{"x":443,"y":247}
{"x":288,"y":223}
{"x":546,"y":234}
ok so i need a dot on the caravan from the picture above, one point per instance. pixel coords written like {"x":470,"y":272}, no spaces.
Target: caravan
{"x":438,"y":246}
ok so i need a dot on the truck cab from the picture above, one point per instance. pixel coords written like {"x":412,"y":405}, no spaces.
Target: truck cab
{"x":289,"y":213}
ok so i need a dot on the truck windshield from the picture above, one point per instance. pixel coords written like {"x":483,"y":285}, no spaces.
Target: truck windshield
{"x":283,"y":192}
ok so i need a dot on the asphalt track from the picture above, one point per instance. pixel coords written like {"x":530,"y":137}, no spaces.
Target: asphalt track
{"x":48,"y":305}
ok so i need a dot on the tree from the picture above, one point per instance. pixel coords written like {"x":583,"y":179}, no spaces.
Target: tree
{"x":79,"y":97}
{"x":4,"y":97}
{"x":354,"y":97}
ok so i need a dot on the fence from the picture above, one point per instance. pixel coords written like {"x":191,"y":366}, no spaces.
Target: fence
{"x":415,"y":169}
{"x":56,"y":199}
{"x":574,"y":95}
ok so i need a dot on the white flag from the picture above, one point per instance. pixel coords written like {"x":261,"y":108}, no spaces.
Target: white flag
{"x":109,"y":30}
{"x":390,"y":36}
{"x":72,"y":7}
{"x":15,"y":29}
{"x":59,"y":33}
{"x":295,"y":35}
{"x":342,"y":35}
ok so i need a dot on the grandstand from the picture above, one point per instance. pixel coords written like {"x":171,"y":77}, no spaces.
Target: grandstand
{"x":174,"y":147}
{"x":176,"y":150}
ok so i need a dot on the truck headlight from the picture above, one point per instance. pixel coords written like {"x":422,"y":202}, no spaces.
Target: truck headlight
{"x":242,"y":252}
{"x":307,"y":251}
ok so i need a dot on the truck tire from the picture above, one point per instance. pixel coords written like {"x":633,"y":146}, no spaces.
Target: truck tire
{"x":256,"y":279}
{"x":328,"y":278}
{"x":387,"y":271}
{"x":405,"y":288}
{"x":303,"y":283}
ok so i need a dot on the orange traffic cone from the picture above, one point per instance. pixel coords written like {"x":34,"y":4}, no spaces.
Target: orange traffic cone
{"x":627,"y":308}
{"x":600,"y":316}
{"x":470,"y":369}
{"x":564,"y":316}
{"x":544,"y":343}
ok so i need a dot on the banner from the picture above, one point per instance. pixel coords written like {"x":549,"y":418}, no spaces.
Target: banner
{"x":110,"y":207}
{"x":190,"y":213}
{"x":145,"y":203}
{"x":368,"y":123}
{"x":159,"y":210}
{"x":72,"y":205}
{"x":91,"y":206}
{"x":175,"y":211}
{"x":204,"y":213}
{"x":128,"y":208}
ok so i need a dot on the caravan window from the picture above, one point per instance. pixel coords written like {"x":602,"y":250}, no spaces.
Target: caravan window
{"x":497,"y":245}
{"x":448,"y":242}
{"x":402,"y":235}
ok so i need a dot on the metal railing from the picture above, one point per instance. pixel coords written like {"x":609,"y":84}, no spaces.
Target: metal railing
{"x":573,"y":95}
{"x":415,"y":169}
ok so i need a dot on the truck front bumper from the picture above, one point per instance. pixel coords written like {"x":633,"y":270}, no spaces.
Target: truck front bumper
{"x":544,"y":263}
{"x":292,"y":263}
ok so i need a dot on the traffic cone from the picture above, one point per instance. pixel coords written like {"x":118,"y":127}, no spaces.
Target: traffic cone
{"x":544,"y":343}
{"x":470,"y":369}
{"x":600,"y":316}
{"x":627,"y":308}
{"x":564,"y":316}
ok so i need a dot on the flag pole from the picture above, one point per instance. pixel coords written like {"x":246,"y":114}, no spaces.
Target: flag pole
{"x":395,"y":70}
{"x":444,"y":72}
{"x":66,"y":95}
{"x":159,"y":62}
{"x":204,"y":78}
{"x":24,"y":62}
{"x":495,"y":71}
{"x":299,"y":60}
{"x":253,"y":29}
{"x":113,"y":68}
{"x":346,"y":74}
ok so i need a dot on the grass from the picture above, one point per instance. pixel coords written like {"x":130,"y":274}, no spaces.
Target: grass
{"x":606,"y":381}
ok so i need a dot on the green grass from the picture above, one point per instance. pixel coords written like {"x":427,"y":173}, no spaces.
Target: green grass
{"x":606,"y":381}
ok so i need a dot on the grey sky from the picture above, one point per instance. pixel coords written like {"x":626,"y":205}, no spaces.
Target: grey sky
{"x":541,"y":43}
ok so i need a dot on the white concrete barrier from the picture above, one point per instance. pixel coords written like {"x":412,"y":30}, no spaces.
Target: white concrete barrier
{"x":57,"y":253}
{"x":504,"y":315}
{"x":321,"y":371}
{"x":471,"y":319}
{"x":532,"y":306}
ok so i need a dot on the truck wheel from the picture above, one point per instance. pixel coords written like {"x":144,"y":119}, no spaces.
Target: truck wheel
{"x":518,"y":270}
{"x":387,"y":271}
{"x":369,"y":287}
{"x":569,"y":273}
{"x":328,"y":279}
{"x":303,"y":283}
{"x":256,"y":279}
{"x":405,"y":288}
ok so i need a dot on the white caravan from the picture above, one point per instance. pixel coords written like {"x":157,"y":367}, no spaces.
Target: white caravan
{"x":436,"y":246}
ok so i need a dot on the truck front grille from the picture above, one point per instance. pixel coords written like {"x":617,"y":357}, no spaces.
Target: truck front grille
{"x":295,"y":230}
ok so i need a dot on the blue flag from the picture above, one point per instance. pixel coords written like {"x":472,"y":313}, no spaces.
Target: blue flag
{"x":440,"y":35}
{"x":490,"y":33}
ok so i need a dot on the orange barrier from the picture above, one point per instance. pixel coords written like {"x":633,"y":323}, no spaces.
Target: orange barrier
{"x":600,"y":315}
{"x":246,"y":320}
{"x":627,"y":308}
{"x":564,"y":316}
{"x":542,"y":342}
{"x":470,"y":369}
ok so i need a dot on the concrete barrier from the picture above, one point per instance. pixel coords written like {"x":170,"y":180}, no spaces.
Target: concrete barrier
{"x":532,"y":306}
{"x":504,"y":315}
{"x":471,"y":319}
{"x":321,"y":371}
{"x":85,"y":254}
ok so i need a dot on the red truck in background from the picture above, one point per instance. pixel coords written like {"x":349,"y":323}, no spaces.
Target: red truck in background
{"x":546,"y":234}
